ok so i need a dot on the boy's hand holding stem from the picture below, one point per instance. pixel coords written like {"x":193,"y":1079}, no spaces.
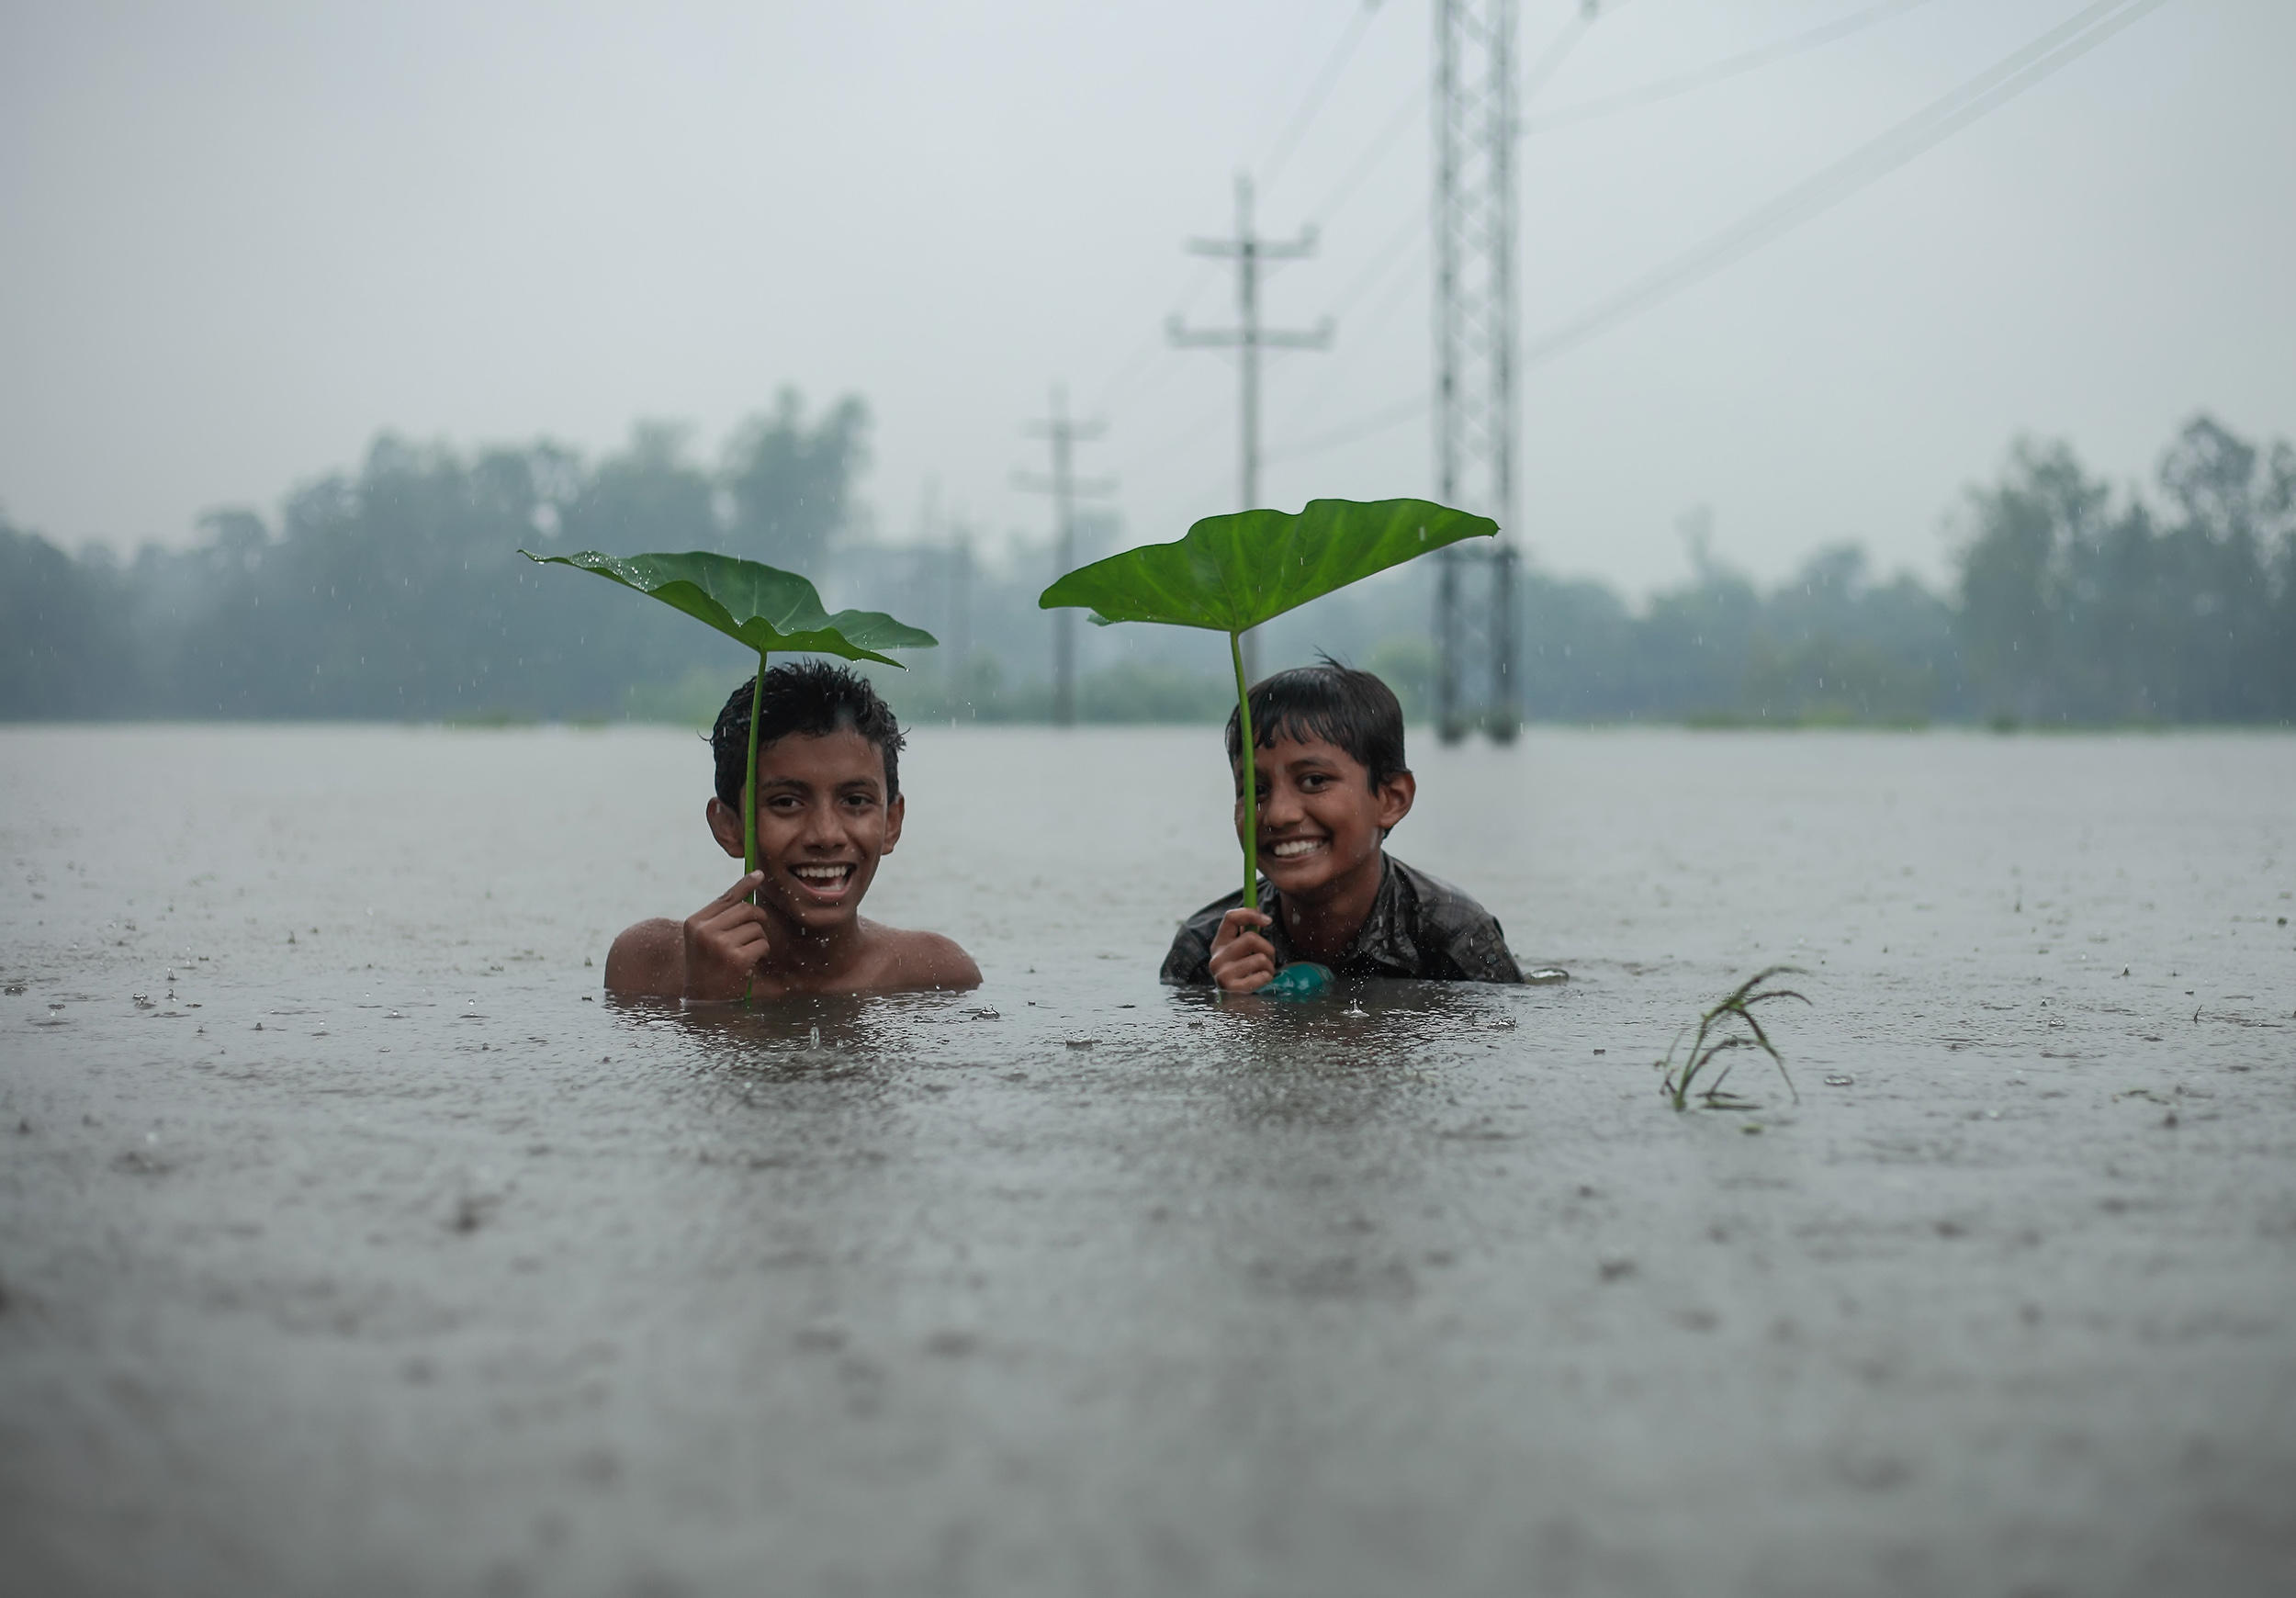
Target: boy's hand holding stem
{"x":1229,"y":575}
{"x":1243,"y":960}
{"x":725,"y":944}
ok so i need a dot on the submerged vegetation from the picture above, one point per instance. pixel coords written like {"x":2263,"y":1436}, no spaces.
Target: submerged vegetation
{"x":1730,"y":1025}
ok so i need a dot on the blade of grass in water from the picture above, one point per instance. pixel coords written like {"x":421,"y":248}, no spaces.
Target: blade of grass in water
{"x":1735,"y":1007}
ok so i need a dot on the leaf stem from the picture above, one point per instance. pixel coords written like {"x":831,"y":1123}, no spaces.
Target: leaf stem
{"x":1249,"y":776}
{"x":749,"y":778}
{"x":749,"y":800}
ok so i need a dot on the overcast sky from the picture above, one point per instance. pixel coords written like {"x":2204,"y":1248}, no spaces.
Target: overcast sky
{"x":240,"y":239}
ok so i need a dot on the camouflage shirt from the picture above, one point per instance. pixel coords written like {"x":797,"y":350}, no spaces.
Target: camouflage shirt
{"x":1419,"y":926}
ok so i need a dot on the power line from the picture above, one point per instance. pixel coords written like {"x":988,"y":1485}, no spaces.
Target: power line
{"x":1413,"y":231}
{"x":1145,"y":351}
{"x":1382,"y":313}
{"x":1289,"y":140}
{"x":1186,"y":439}
{"x":1381,"y":142}
{"x":1719,"y":72}
{"x":1986,"y":92}
{"x":1362,"y":339}
{"x":1343,"y":50}
{"x":1560,"y":49}
{"x":1378,"y":420}
{"x":1127,"y":372}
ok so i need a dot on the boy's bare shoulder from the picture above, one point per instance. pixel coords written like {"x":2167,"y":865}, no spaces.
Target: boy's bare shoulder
{"x":922,"y":960}
{"x":649,"y":959}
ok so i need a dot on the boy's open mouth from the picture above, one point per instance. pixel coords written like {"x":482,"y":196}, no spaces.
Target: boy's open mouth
{"x":1293,"y":847}
{"x":828,"y":882}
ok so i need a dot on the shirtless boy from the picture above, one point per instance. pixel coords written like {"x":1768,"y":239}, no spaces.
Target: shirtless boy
{"x":1331,"y":785}
{"x":830,"y":807}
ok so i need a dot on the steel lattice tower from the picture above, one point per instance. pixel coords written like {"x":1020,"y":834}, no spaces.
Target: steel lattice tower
{"x":1474,"y":337}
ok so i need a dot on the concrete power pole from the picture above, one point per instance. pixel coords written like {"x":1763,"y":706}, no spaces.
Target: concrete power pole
{"x":959,"y":670}
{"x":1248,"y":251}
{"x":1064,"y":435}
{"x":1475,"y":341}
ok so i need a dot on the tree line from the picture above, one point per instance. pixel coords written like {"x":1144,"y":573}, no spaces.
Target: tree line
{"x":395,"y":592}
{"x":398,"y":592}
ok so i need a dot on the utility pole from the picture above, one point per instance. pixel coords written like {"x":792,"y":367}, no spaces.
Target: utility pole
{"x":1475,"y":341}
{"x":952,"y":566}
{"x":959,"y":670}
{"x":1064,"y":435}
{"x":953,"y":563}
{"x":1248,"y":251}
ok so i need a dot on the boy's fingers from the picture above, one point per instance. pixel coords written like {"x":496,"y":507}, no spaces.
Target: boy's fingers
{"x":1248,"y":976}
{"x":1238,"y":922}
{"x":738,"y":892}
{"x":740,"y":913}
{"x":1241,"y":967}
{"x":741,"y":935}
{"x":717,"y":915}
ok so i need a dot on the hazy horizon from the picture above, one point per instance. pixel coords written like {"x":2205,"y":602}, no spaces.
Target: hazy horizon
{"x":244,"y":240}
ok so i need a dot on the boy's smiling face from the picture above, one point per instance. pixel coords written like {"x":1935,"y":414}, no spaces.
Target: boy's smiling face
{"x":1321,"y":821}
{"x":823,"y":824}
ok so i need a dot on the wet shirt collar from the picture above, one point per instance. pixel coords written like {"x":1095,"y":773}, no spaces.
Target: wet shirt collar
{"x":1418,"y":927}
{"x":1405,"y":934}
{"x":1383,"y":946}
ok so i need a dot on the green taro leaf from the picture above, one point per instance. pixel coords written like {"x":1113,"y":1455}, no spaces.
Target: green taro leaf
{"x":1231,"y":573}
{"x":774,"y":611}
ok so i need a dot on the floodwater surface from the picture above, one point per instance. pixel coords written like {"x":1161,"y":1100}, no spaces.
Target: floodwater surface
{"x":352,"y":1242}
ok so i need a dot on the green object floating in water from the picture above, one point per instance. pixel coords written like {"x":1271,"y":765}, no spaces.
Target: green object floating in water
{"x":1300,"y":979}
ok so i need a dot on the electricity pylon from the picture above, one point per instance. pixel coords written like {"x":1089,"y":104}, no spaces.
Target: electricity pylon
{"x":1474,"y":315}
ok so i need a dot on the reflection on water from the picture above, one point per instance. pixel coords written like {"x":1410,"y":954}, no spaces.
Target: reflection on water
{"x":1379,"y":1022}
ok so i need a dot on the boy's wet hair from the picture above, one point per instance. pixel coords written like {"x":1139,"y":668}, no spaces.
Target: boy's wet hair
{"x":1337,"y":703}
{"x":812,"y":697}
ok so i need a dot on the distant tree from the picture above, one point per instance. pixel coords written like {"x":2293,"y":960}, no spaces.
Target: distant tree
{"x":1406,"y":662}
{"x":2073,"y":607}
{"x":214,"y":650}
{"x":2217,"y":557}
{"x":1691,"y":646}
{"x":394,"y":590}
{"x":64,"y":649}
{"x":1833,"y":645}
{"x":789,"y":488}
{"x":2279,"y":502}
{"x":649,"y":496}
{"x":1577,"y":648}
{"x":2012,"y":572}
